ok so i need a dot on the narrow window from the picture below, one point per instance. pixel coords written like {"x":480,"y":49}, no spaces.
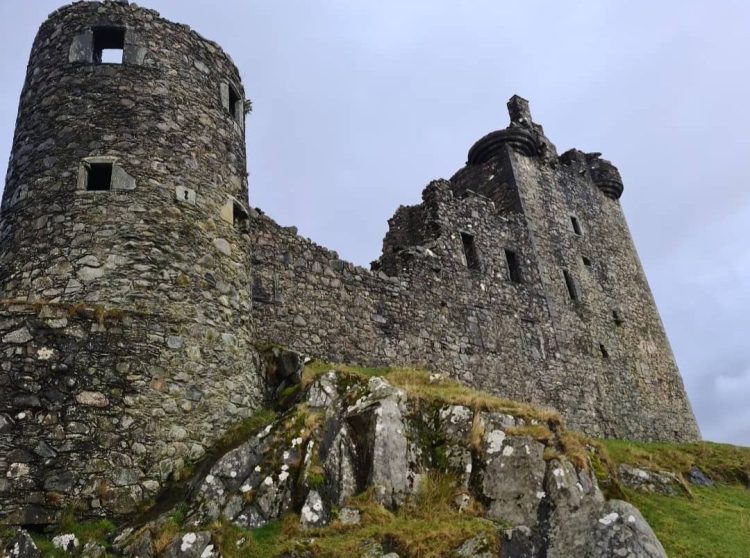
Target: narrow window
{"x":603,"y":350}
{"x":99,"y":177}
{"x":470,"y":251}
{"x":576,"y":225}
{"x":109,"y":44}
{"x":572,"y":291}
{"x":514,"y":266}
{"x":235,"y":104}
{"x":239,"y":216}
{"x":586,"y":261}
{"x":617,"y":317}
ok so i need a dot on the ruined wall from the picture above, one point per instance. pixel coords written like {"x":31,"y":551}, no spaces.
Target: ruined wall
{"x":102,"y":412}
{"x":591,"y":344}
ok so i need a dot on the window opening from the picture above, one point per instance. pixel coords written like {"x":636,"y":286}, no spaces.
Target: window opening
{"x":99,"y":177}
{"x":235,"y":104}
{"x":109,"y":45}
{"x":617,"y":317}
{"x":514,"y":266}
{"x":576,"y":225}
{"x":586,"y":261}
{"x":239,"y":216}
{"x":470,"y":251}
{"x":572,"y":291}
{"x":603,"y":350}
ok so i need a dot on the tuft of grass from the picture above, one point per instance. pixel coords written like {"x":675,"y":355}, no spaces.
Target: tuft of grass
{"x":423,"y":386}
{"x":429,"y":526}
{"x":232,"y":541}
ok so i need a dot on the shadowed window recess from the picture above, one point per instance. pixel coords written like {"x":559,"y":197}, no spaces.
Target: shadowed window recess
{"x":470,"y":251}
{"x":109,"y":45}
{"x":571,"y":285}
{"x":98,"y":177}
{"x":514,"y":266}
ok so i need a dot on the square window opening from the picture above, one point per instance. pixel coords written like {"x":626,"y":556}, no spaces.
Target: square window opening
{"x":586,"y":261}
{"x":570,"y":284}
{"x":514,"y":266}
{"x":99,"y":177}
{"x":470,"y":251}
{"x":576,"y":225}
{"x":235,"y":104}
{"x":603,"y":349}
{"x":109,"y":45}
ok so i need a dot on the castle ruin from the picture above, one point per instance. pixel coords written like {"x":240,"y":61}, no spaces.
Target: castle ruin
{"x":137,"y":282}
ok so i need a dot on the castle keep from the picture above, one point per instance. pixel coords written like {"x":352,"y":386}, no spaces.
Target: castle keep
{"x":137,"y":282}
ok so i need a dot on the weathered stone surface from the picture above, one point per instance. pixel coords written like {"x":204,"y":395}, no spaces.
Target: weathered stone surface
{"x":698,"y":477}
{"x":191,"y":545}
{"x":313,"y":513}
{"x":68,"y":543}
{"x":513,"y":480}
{"x":661,"y":482}
{"x":21,"y":546}
{"x":378,"y":429}
{"x":477,"y":547}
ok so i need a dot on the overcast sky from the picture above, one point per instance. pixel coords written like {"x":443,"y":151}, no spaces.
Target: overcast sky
{"x":357,"y":105}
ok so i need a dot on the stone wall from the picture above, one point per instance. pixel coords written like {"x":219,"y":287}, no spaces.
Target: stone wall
{"x":423,"y":305}
{"x":163,"y":247}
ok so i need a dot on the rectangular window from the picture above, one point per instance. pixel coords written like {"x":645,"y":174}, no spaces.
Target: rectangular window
{"x":570,"y":284}
{"x":109,"y":44}
{"x":586,"y":261}
{"x":603,"y":349}
{"x":235,"y":104}
{"x":514,"y":266}
{"x":470,"y":251}
{"x":576,"y":225}
{"x":99,"y":177}
{"x":617,"y":317}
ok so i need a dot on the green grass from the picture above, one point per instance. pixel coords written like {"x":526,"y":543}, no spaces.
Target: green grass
{"x":428,"y":527}
{"x":715,"y":523}
{"x":709,"y":522}
{"x":98,"y":531}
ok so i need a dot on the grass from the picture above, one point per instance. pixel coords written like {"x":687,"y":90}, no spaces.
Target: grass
{"x":97,"y":531}
{"x":428,"y":527}
{"x":428,"y":388}
{"x":706,"y":522}
{"x":715,"y":523}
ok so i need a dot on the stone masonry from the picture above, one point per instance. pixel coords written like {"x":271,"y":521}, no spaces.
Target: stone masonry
{"x":136,"y":283}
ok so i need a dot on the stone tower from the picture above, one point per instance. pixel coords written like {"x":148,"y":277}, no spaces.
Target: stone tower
{"x":124,"y":324}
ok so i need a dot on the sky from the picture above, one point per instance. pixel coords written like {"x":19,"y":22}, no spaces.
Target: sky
{"x":358,"y":105}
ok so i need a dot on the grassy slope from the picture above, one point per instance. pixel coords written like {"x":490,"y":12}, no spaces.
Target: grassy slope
{"x":711,"y":522}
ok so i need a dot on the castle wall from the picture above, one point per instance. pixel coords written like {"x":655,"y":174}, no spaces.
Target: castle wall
{"x":159,"y":247}
{"x":603,"y":360}
{"x":130,"y":315}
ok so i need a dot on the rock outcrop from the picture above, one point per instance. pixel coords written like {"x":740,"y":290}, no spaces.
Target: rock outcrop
{"x":347,"y":442}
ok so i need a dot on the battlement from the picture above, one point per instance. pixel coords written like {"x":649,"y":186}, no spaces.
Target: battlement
{"x":138,"y":284}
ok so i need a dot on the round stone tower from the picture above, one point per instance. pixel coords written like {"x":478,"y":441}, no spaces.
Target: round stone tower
{"x":124,"y":323}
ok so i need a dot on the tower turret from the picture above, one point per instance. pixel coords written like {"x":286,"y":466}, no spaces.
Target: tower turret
{"x":123,"y":262}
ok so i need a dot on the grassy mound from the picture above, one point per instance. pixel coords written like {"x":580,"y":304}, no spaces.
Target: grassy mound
{"x":705,"y":522}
